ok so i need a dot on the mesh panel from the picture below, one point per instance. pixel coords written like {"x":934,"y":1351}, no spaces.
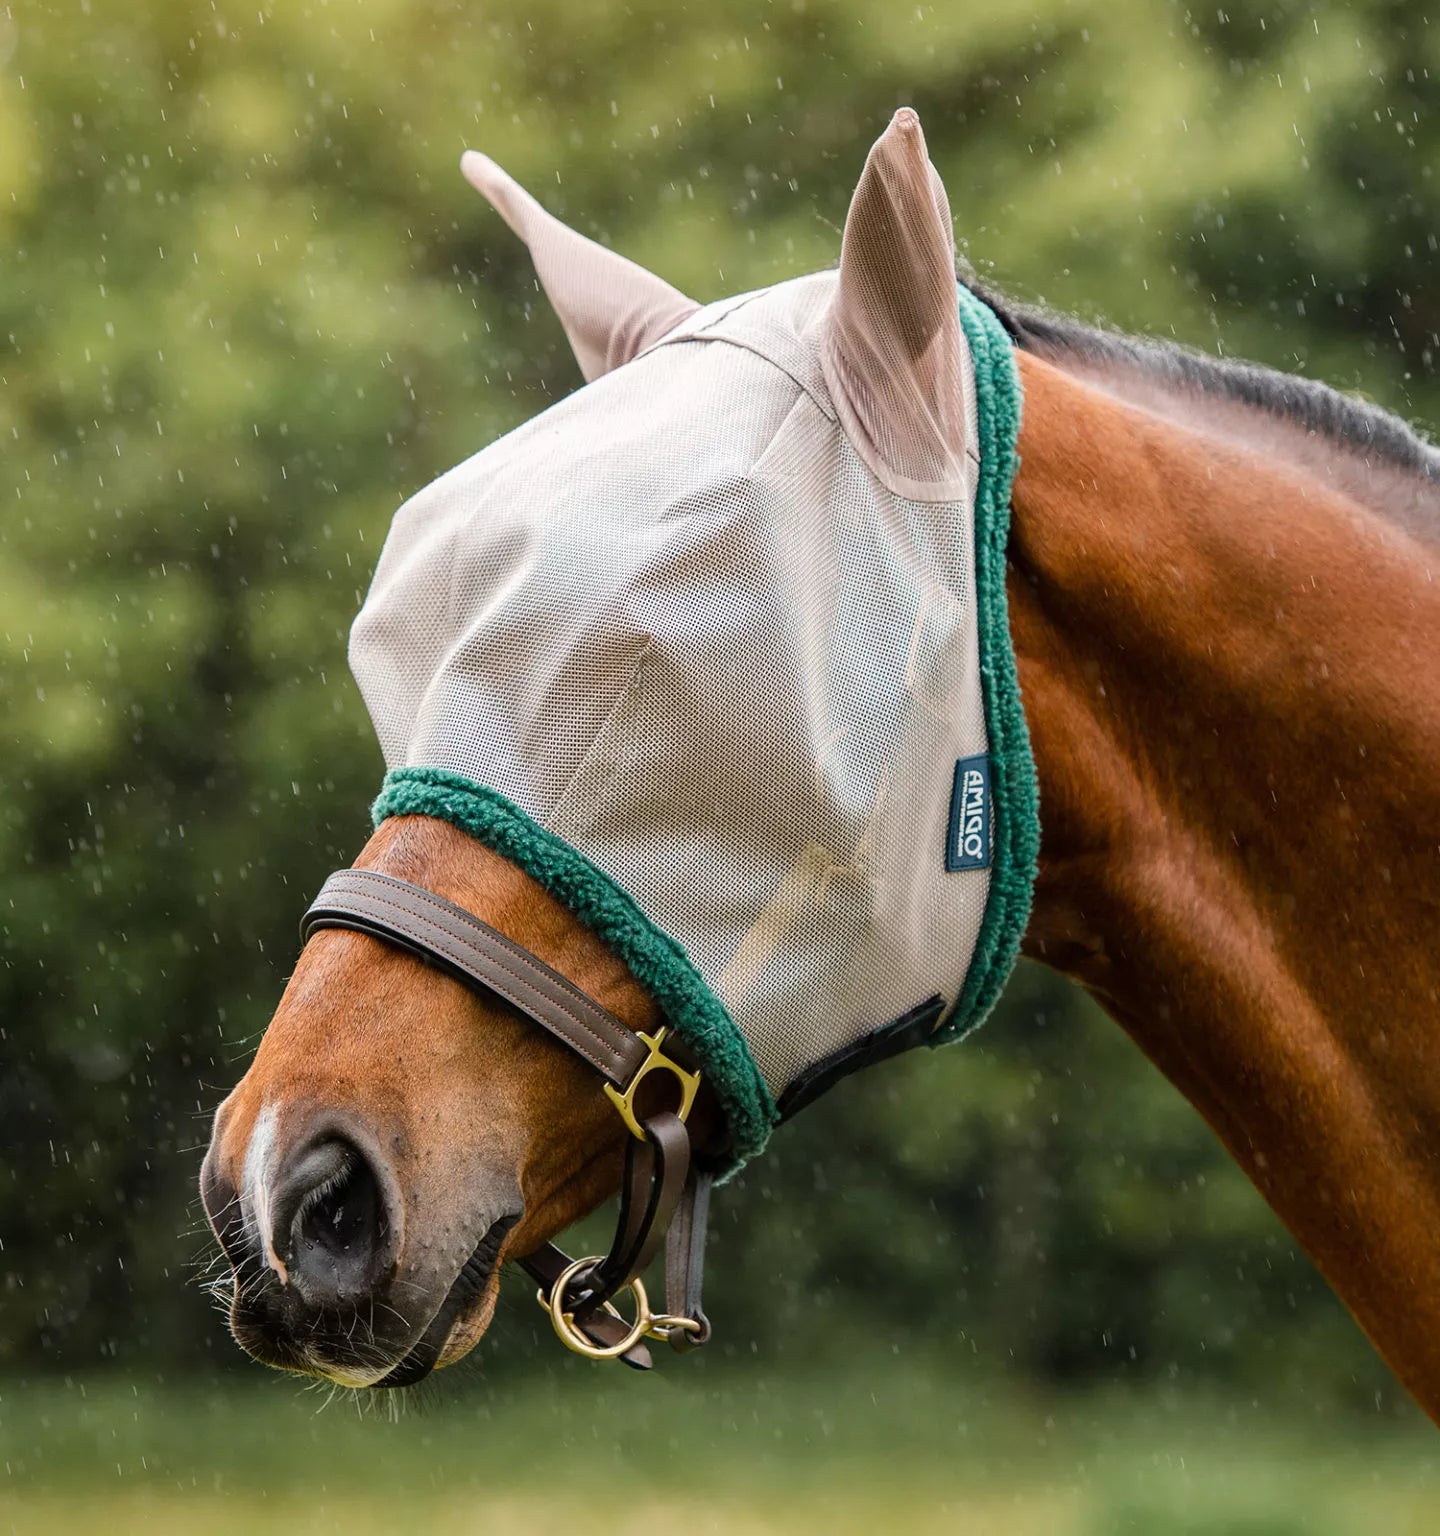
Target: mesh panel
{"x":682,"y":623}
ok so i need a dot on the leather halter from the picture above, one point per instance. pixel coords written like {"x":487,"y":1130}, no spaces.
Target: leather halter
{"x":664,"y":1191}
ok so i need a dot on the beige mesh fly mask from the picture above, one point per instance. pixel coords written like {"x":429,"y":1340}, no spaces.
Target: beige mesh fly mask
{"x":678,"y":623}
{"x":716,"y":647}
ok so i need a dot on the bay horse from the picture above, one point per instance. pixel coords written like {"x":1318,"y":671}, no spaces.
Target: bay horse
{"x":1224,"y":605}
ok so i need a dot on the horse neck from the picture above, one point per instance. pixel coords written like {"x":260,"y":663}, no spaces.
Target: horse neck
{"x":1228,"y":669}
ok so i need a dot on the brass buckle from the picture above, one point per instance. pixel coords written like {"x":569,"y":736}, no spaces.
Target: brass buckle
{"x":647,"y":1324}
{"x":657,"y":1060}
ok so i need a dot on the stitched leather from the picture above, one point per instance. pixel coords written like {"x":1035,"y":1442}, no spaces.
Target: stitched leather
{"x":444,"y":934}
{"x":685,"y":1261}
{"x":656,"y":1173}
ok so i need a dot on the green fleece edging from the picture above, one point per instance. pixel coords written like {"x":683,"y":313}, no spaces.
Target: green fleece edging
{"x":1015,"y":790}
{"x":656,"y":960}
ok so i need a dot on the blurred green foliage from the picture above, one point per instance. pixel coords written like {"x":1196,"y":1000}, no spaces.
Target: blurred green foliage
{"x":249,"y":306}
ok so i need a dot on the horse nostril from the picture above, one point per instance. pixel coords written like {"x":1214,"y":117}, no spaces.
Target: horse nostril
{"x":344,"y":1212}
{"x":329,"y":1220}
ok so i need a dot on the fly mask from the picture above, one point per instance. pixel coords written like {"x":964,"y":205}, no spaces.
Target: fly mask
{"x":716,"y":649}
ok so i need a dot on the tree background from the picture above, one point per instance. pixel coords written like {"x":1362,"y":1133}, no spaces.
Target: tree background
{"x":248,"y":306}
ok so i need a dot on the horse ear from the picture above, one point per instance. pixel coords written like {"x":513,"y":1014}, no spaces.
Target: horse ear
{"x":610,"y":307}
{"x":893,"y":353}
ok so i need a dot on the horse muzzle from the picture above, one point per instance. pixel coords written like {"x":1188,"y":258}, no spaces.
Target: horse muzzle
{"x":311,"y":1218}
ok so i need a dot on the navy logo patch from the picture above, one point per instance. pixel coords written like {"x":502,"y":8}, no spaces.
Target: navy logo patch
{"x":968,"y":844}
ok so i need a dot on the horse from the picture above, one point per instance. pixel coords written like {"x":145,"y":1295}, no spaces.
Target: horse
{"x":1224,"y":606}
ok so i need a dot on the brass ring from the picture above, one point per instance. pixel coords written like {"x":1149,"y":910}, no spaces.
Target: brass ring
{"x":569,"y":1333}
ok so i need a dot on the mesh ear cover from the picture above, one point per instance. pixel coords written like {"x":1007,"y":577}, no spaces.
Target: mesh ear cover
{"x":610,"y":307}
{"x":893,"y":352}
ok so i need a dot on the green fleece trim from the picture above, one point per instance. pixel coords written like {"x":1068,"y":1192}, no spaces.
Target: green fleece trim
{"x":656,"y":961}
{"x":1015,"y":789}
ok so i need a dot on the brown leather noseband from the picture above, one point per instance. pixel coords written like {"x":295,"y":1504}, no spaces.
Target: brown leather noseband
{"x":664,"y":1191}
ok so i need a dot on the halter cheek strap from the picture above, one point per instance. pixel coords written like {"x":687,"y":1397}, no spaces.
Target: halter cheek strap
{"x":664,"y":1194}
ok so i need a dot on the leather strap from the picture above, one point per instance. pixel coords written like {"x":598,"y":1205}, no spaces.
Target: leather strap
{"x":448,"y":936}
{"x":663,"y":1193}
{"x":685,"y":1261}
{"x":656,"y":1173}
{"x":655,"y":1199}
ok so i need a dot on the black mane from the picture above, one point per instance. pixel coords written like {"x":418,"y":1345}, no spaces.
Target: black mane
{"x":1356,"y":425}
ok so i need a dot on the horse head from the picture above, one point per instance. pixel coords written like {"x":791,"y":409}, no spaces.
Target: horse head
{"x":399,"y":1135}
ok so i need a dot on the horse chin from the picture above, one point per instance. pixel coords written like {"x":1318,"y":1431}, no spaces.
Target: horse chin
{"x":470,"y":1327}
{"x":344,"y":1376}
{"x":462,"y":1317}
{"x":465,"y":1333}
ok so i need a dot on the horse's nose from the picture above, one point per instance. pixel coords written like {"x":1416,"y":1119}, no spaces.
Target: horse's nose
{"x":329,"y":1223}
{"x":308,"y":1208}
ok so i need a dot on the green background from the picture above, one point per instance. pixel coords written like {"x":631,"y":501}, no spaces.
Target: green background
{"x":248,"y":307}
